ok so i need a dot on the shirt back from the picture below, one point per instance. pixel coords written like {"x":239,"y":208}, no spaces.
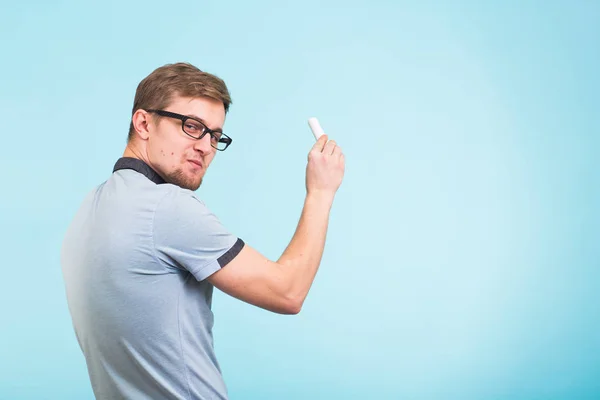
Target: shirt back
{"x":135,"y":261}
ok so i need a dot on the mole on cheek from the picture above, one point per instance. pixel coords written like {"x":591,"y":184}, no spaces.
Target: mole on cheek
{"x":172,"y":153}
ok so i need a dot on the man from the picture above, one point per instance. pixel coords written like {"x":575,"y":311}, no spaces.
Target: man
{"x":143,"y":253}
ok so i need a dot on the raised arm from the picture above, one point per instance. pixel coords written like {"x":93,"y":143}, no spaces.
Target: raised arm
{"x":282,"y":286}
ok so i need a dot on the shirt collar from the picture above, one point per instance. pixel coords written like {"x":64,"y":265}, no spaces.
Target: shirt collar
{"x":140,"y":166}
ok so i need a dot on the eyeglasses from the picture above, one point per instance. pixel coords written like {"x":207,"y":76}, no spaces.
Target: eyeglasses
{"x":197,"y":130}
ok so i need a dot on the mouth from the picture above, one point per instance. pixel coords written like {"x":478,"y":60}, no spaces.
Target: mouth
{"x":196,"y":163}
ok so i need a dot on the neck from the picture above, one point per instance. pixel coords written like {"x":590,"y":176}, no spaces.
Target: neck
{"x":131,"y":151}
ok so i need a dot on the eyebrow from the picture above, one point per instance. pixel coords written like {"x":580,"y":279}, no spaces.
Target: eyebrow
{"x":220,"y":130}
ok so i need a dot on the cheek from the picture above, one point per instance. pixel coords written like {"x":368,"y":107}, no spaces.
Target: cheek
{"x":171,"y":158}
{"x":168,"y":147}
{"x":167,"y":153}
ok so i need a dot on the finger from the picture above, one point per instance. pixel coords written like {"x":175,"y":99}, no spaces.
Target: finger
{"x":320,"y":144}
{"x":337,"y":151}
{"x":329,"y":147}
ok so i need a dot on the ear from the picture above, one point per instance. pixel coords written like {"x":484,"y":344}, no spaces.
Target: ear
{"x":141,"y":121}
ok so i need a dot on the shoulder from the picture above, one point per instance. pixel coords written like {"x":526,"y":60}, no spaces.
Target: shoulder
{"x":183,"y":211}
{"x":176,"y":201}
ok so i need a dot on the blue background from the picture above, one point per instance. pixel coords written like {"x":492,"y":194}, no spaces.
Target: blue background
{"x":463,"y":253}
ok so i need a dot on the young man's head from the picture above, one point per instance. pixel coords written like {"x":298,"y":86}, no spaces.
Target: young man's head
{"x":174,"y":106}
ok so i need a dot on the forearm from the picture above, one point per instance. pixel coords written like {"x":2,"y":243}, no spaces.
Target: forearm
{"x":300,"y":260}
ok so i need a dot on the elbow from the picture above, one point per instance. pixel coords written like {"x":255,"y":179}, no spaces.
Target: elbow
{"x":290,"y":297}
{"x":292,"y":310}
{"x":295,"y":308}
{"x":291,"y":306}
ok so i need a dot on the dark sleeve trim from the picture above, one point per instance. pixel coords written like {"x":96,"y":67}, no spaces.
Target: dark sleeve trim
{"x":231,"y":253}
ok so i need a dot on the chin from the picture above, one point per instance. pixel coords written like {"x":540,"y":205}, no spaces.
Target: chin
{"x":191,"y":184}
{"x":185,"y":181}
{"x":196,"y":186}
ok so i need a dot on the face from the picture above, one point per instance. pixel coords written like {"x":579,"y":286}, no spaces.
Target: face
{"x":177,"y":157}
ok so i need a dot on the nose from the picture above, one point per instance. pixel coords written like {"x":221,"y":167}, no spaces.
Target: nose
{"x":203,"y":145}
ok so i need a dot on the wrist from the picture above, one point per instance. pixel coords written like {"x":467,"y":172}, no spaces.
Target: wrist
{"x":320,"y":196}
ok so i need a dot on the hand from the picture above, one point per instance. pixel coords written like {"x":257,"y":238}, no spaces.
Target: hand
{"x":325,"y":168}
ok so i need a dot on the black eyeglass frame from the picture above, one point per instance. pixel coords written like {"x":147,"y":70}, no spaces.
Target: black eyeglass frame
{"x":223,"y":138}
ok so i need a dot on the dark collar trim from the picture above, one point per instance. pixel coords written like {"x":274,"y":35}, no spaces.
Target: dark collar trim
{"x":139,"y":166}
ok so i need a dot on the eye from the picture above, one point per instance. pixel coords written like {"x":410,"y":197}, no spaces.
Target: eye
{"x":193,"y":127}
{"x":214,"y":137}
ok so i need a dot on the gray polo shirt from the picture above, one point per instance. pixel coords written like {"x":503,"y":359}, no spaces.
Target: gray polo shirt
{"x":134,"y":262}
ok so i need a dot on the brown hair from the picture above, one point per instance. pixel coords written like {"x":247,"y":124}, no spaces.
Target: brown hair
{"x":182,"y":79}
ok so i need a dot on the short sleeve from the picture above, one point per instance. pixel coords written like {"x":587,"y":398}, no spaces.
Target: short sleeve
{"x":187,"y":235}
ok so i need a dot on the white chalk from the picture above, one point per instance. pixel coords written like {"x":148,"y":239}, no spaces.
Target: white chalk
{"x":315,"y":127}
